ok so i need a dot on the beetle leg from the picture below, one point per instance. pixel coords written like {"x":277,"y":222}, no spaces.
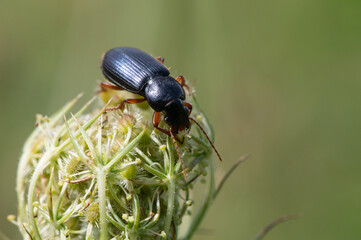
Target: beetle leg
{"x":105,"y":86}
{"x":156,"y":120}
{"x":122,"y":104}
{"x":182,"y":82}
{"x":160,"y":59}
{"x":189,"y":106}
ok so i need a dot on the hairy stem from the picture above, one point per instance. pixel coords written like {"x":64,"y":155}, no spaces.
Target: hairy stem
{"x":170,"y":209}
{"x":101,"y":176}
{"x":38,"y":170}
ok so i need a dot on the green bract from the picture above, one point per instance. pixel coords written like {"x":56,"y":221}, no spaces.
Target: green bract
{"x":110,"y":175}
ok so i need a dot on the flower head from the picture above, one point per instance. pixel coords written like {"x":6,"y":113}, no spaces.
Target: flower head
{"x":107,"y":175}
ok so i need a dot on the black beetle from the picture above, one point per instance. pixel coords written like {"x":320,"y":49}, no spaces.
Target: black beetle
{"x":135,"y":71}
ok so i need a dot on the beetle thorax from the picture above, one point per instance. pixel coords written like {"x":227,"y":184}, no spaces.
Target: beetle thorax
{"x":161,"y":90}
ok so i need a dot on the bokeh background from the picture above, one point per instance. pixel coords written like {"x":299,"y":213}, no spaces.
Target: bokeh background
{"x":279,"y":79}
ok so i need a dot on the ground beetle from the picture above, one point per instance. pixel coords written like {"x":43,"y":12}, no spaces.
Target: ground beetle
{"x":135,"y":71}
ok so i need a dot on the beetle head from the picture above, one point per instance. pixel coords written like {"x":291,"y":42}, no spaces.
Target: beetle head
{"x":176,"y":115}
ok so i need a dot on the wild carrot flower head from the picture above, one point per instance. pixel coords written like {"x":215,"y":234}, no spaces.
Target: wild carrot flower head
{"x":92,"y":174}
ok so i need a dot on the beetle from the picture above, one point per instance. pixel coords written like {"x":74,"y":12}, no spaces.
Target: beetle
{"x":136,"y":71}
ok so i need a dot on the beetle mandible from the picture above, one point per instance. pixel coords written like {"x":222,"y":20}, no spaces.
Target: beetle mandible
{"x":135,"y":71}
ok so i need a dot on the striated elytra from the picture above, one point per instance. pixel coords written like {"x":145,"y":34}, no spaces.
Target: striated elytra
{"x":138,"y":72}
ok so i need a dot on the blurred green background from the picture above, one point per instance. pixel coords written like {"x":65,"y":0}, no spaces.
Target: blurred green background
{"x":279,"y":79}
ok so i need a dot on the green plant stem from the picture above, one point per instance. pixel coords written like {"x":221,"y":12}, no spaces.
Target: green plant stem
{"x":21,"y":176}
{"x":136,"y":211}
{"x":101,"y":176}
{"x":274,"y":223}
{"x":230,"y":171}
{"x":63,"y":189}
{"x":44,"y":161}
{"x":171,"y":190}
{"x":170,"y":209}
{"x":89,"y":231}
{"x":132,"y":235}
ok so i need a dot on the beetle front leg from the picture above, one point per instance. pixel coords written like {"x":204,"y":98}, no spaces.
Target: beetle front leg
{"x":122,"y":104}
{"x":156,"y":120}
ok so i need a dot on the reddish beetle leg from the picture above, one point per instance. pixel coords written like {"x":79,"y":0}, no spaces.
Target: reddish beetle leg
{"x":122,"y":104}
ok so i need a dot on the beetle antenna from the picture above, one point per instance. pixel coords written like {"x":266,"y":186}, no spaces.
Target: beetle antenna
{"x":214,"y":148}
{"x":178,"y":152}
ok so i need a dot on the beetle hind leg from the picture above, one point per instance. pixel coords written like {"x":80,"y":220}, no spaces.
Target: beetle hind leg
{"x":160,"y":59}
{"x":122,"y":104}
{"x":104,"y":86}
